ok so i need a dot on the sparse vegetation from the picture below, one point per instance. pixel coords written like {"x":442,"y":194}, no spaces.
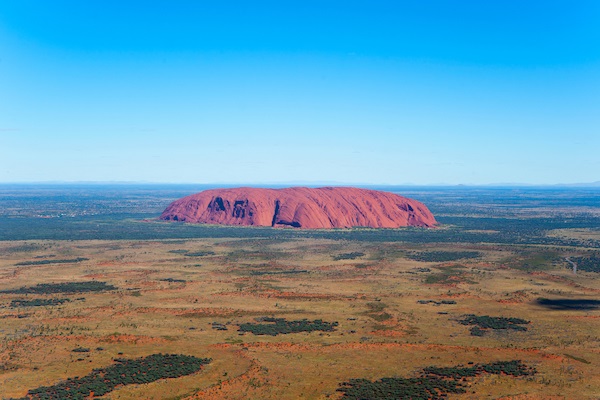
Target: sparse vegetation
{"x":199,"y":253}
{"x":443,"y":256}
{"x":38,"y":302}
{"x":66,"y":287}
{"x":377,"y":311}
{"x":392,"y":323}
{"x":399,"y":388}
{"x":483,"y":323}
{"x":434,"y":383}
{"x":437,"y":303}
{"x":348,"y":256}
{"x":580,"y":359}
{"x":448,"y":275}
{"x":279,"y":272}
{"x":81,"y":350}
{"x":173,"y":280}
{"x":179,"y":251}
{"x":513,"y":368}
{"x":534,"y":260}
{"x":218,"y":326}
{"x":52,"y":261}
{"x":589,"y":263}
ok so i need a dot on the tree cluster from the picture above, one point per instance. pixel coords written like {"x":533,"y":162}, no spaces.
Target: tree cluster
{"x":434,"y":383}
{"x":442,"y":256}
{"x":173,"y":280}
{"x":482,"y":323}
{"x":513,"y":368}
{"x":199,"y":254}
{"x":44,"y":262}
{"x":437,"y":303}
{"x":124,"y":372}
{"x":279,"y":326}
{"x":589,"y":264}
{"x":64,"y":287}
{"x":399,"y":388}
{"x":38,"y":302}
{"x":462,"y":229}
{"x":81,"y":350}
{"x":348,"y":256}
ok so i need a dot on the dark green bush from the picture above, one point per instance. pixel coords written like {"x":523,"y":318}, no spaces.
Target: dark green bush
{"x":484,"y":322}
{"x":66,"y":287}
{"x":443,"y":256}
{"x":38,"y":302}
{"x":434,"y":383}
{"x":123,"y":372}
{"x":348,"y":256}
{"x":44,"y":262}
{"x":279,"y":326}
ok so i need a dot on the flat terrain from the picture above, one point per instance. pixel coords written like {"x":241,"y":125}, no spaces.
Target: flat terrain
{"x":285,"y":314}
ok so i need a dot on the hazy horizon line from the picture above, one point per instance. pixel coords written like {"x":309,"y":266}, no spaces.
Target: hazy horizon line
{"x":306,"y":183}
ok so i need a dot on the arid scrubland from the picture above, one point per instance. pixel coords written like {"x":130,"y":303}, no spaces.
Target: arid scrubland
{"x":321,"y":313}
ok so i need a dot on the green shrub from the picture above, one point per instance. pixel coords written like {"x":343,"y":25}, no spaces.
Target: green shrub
{"x":348,"y":256}
{"x":483,"y":323}
{"x":38,"y":302}
{"x":279,"y":326}
{"x":123,"y":372}
{"x":66,"y":287}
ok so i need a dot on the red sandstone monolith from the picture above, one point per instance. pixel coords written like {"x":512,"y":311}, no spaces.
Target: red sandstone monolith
{"x":300,"y":207}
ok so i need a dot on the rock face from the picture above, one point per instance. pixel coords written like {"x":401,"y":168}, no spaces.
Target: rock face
{"x":300,"y":207}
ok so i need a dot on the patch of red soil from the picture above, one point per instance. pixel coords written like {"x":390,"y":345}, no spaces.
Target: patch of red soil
{"x":389,"y":333}
{"x":399,"y":346}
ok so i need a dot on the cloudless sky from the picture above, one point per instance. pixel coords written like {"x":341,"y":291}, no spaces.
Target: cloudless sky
{"x":379,"y":92}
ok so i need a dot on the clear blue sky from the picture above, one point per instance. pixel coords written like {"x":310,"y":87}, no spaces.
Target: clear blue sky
{"x":392,"y":92}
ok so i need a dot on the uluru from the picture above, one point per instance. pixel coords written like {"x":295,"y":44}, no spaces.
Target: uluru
{"x":300,"y":207}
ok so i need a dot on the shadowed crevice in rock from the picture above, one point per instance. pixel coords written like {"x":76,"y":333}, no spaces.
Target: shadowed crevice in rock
{"x":217,"y":205}
{"x":239,"y":209}
{"x":275,"y":213}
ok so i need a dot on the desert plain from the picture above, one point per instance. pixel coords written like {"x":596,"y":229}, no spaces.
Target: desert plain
{"x":287,"y":314}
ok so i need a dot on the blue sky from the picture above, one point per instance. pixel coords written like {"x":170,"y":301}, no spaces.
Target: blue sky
{"x":378,"y":92}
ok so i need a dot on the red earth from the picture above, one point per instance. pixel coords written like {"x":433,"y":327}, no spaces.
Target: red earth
{"x":300,"y":207}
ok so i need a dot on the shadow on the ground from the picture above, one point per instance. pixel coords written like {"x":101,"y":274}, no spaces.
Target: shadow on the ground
{"x":569,"y":304}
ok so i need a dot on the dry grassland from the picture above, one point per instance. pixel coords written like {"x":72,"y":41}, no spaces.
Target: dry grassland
{"x":190,"y":297}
